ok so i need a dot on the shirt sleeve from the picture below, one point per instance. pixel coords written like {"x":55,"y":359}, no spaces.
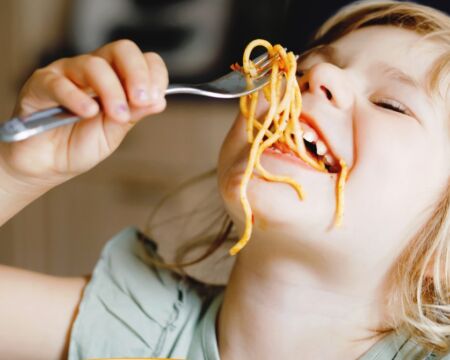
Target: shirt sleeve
{"x":129,"y":306}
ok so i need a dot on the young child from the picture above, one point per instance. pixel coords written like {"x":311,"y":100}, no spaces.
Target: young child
{"x":375,"y":82}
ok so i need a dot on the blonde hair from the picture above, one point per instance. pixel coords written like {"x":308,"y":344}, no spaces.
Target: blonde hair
{"x":426,"y":21}
{"x":419,"y":295}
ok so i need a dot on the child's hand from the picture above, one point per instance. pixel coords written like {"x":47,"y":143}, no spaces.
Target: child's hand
{"x":129,"y":85}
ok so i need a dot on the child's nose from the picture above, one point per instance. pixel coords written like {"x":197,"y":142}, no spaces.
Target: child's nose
{"x":329,"y":82}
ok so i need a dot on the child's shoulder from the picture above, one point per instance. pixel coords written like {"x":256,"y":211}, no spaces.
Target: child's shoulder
{"x":132,"y":308}
{"x":400,"y":345}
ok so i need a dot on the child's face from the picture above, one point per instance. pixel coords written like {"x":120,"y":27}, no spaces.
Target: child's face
{"x":381,"y":121}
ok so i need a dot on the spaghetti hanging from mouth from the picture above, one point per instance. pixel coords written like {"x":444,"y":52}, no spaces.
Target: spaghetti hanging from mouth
{"x":280,"y":125}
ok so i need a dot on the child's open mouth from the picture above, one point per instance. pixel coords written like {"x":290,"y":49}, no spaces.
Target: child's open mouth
{"x":315,"y":146}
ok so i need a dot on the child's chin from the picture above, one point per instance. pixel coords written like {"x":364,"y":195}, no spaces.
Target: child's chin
{"x":277,"y":205}
{"x":274,"y":206}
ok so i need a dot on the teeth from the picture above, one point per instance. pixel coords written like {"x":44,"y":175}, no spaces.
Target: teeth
{"x":309,"y":134}
{"x":321,"y":148}
{"x":328,"y":159}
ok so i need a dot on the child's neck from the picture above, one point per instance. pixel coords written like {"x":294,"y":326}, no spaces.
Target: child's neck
{"x":282,"y":309}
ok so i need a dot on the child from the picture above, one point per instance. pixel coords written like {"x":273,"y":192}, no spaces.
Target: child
{"x":375,"y":82}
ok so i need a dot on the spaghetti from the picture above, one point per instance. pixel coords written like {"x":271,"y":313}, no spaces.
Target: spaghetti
{"x":280,"y":128}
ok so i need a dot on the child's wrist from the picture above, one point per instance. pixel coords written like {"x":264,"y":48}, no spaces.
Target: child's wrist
{"x":19,"y":186}
{"x":15,"y":193}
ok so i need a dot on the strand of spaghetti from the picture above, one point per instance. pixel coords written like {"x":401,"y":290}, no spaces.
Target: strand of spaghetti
{"x":276,"y":135}
{"x":296,"y":108}
{"x":276,"y":121}
{"x":287,"y":137}
{"x":246,"y":112}
{"x":247,"y":64}
{"x":250,"y":71}
{"x":285,"y":118}
{"x":290,"y":70}
{"x":277,"y":178}
{"x":251,"y":115}
{"x":287,"y":93}
{"x":243,"y":105}
{"x":289,"y":132}
{"x":266,"y":92}
{"x":282,"y":179}
{"x":258,"y":126}
{"x":340,"y":193}
{"x":251,"y":163}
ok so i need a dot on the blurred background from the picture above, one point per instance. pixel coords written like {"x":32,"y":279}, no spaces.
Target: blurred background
{"x":64,"y":231}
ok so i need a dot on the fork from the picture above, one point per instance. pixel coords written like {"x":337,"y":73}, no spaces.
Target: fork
{"x":231,"y":85}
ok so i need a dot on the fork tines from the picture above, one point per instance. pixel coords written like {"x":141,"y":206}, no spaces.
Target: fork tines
{"x":264,"y":63}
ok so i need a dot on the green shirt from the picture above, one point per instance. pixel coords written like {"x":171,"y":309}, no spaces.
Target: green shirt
{"x":133,"y":309}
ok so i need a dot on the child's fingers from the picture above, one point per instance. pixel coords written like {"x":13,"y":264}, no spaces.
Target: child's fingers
{"x":159,"y":79}
{"x":67,"y":94}
{"x":139,"y":113}
{"x":52,"y":88}
{"x":158,"y":75}
{"x":96,"y":73}
{"x":131,"y":65}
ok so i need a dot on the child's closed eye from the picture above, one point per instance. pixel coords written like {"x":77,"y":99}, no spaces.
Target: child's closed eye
{"x":386,"y":103}
{"x":391,"y":104}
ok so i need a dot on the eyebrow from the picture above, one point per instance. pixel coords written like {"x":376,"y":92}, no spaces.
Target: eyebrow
{"x":397,"y":74}
{"x":328,"y":52}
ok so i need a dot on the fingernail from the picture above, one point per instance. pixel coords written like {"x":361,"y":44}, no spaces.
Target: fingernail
{"x":123,"y":112}
{"x":142,"y":95}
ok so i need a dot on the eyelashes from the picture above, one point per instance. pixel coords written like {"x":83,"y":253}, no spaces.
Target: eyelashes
{"x":392,"y":105}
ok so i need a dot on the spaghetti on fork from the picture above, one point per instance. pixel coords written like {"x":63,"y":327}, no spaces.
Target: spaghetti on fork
{"x":280,"y":128}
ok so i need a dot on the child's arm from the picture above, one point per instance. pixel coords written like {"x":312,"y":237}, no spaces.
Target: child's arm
{"x":129,"y":84}
{"x":36,"y":314}
{"x":37,"y":311}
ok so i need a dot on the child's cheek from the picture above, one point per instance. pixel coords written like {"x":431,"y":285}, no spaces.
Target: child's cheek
{"x":233,"y":144}
{"x":394,"y":170}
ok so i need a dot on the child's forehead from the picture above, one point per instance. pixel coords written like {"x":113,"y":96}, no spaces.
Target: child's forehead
{"x":384,"y":45}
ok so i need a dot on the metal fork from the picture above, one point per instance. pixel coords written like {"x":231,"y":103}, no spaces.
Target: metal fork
{"x":231,"y":85}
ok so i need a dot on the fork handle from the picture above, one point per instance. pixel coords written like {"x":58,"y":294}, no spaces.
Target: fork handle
{"x":22,"y":127}
{"x":181,"y":89}
{"x":193,"y":89}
